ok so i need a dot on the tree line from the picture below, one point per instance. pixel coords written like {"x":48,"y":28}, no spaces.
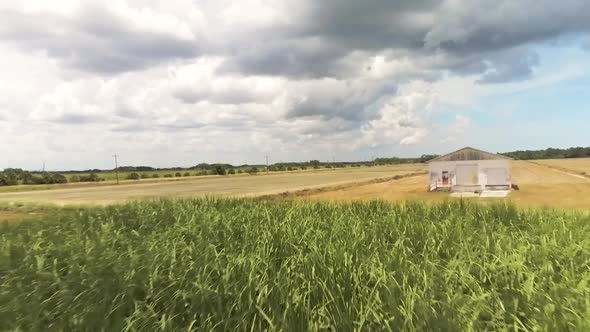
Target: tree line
{"x":16,"y":176}
{"x":550,"y":153}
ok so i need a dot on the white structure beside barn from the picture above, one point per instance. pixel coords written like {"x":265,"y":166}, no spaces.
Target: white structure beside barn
{"x":470,"y":170}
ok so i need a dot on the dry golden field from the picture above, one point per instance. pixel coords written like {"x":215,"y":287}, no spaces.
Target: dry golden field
{"x":540,"y":186}
{"x":578,"y":165}
{"x":241,"y":185}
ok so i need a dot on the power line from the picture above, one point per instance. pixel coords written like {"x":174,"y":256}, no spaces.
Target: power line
{"x":116,"y":167}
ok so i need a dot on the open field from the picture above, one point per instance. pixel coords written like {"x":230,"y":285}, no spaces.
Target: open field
{"x":577,"y":165}
{"x":245,"y":185}
{"x":540,"y":186}
{"x":71,"y":185}
{"x":110,"y":178}
{"x":245,"y":265}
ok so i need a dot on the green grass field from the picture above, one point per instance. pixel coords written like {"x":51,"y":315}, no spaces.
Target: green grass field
{"x":247,"y":265}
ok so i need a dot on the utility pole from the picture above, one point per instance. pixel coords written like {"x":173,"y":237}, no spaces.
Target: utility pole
{"x":266,"y":164}
{"x":116,"y":167}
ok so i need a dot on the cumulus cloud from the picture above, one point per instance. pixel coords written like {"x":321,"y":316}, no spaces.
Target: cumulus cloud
{"x":403,"y":118}
{"x":294,"y":77}
{"x":106,"y":37}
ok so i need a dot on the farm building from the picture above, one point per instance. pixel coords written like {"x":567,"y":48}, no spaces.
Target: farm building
{"x":470,"y":170}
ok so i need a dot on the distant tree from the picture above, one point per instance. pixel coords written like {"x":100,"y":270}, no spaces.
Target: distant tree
{"x":187,"y":174}
{"x":550,"y":153}
{"x":231,"y":171}
{"x":168,"y":175}
{"x":240,"y":171}
{"x":11,"y":176}
{"x":155,"y":175}
{"x":178,"y":174}
{"x":92,"y":177}
{"x":27,"y":178}
{"x":58,"y":178}
{"x":133,"y":176}
{"x":426,"y":157}
{"x":219,"y":170}
{"x":74,"y":178}
{"x":145,"y":175}
{"x":253,"y":171}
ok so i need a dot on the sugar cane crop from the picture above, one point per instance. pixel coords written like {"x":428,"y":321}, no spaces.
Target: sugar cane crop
{"x":246,"y":265}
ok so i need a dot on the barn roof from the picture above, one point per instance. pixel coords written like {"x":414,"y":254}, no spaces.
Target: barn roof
{"x":468,"y":153}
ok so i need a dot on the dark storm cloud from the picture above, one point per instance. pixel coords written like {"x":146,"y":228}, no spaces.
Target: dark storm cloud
{"x":469,"y":33}
{"x":371,"y":24}
{"x":498,"y":25}
{"x":329,"y":31}
{"x":300,"y":58}
{"x":95,"y":40}
{"x":349,"y":104}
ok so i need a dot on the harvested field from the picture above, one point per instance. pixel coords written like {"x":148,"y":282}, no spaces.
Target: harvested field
{"x":540,"y":186}
{"x":227,"y":185}
{"x":578,"y":165}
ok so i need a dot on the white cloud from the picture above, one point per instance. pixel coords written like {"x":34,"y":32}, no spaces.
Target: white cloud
{"x":179,"y":82}
{"x":404,"y":118}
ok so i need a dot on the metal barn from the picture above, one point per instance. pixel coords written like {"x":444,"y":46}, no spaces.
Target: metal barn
{"x":470,"y":170}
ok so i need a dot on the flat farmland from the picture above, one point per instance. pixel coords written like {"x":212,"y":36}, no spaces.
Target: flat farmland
{"x":540,"y":186}
{"x":578,"y":165}
{"x":239,"y":185}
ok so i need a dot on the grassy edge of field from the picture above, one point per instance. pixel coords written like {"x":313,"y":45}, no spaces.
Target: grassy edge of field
{"x":311,"y":191}
{"x":28,"y":211}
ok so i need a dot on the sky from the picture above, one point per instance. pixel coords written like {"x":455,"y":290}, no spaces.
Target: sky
{"x":181,"y":82}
